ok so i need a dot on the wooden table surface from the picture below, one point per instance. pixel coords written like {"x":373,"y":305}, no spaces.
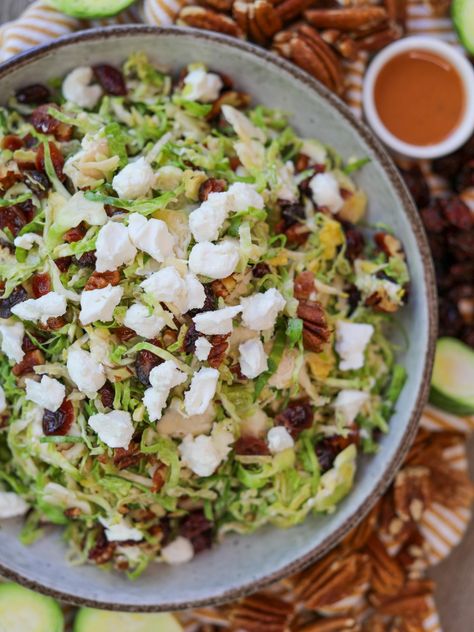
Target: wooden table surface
{"x":455,"y":576}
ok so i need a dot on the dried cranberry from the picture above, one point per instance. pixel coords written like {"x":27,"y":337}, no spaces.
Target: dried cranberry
{"x":18,"y":295}
{"x":111,"y":79}
{"x":326,"y":453}
{"x":13,"y":218}
{"x":59,"y":422}
{"x":433,"y":218}
{"x":107,"y":395}
{"x":291,"y":213}
{"x":124,"y":334}
{"x":354,"y":241}
{"x":261,"y":269}
{"x":56,"y":158}
{"x":189,"y":344}
{"x":87,"y":260}
{"x":458,"y":214}
{"x":301,"y":162}
{"x":212,"y":185}
{"x":417,"y":185}
{"x":27,"y":344}
{"x":353,"y":298}
{"x":75,"y":234}
{"x":198,"y":529}
{"x":296,"y":417}
{"x":38,"y":182}
{"x":29,"y":361}
{"x":34,"y":94}
{"x":251,"y":446}
{"x":40,"y":284}
{"x":144,"y":363}
{"x":44,"y":123}
{"x":63,"y":263}
{"x":12,"y":142}
{"x":8,"y":179}
{"x":210,"y":302}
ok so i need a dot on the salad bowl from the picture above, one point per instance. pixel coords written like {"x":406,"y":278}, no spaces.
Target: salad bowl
{"x":241,"y":564}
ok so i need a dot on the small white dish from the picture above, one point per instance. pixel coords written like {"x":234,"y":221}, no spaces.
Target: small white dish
{"x":464,"y":129}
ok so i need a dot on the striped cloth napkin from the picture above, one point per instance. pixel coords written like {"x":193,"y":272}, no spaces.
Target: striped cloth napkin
{"x":40,"y":23}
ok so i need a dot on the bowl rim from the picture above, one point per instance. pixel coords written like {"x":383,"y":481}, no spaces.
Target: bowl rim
{"x":111,"y":32}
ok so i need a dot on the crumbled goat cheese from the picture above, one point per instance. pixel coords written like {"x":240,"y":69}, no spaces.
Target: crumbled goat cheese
{"x":203,"y":454}
{"x":279,"y":439}
{"x":135,"y":180}
{"x":206,"y":221}
{"x":138,"y":318}
{"x":12,"y":339}
{"x":260,"y":311}
{"x":113,"y":247}
{"x":115,"y":429}
{"x":202,"y":86}
{"x":99,"y":304}
{"x":202,"y":349}
{"x":179,"y":551}
{"x":217,"y":322}
{"x":152,"y":236}
{"x":87,"y":374}
{"x":201,"y":391}
{"x":3,"y":400}
{"x":162,"y":378}
{"x":195,"y":293}
{"x":27,"y":241}
{"x":77,"y":88}
{"x":120,"y":531}
{"x":244,"y":196}
{"x":41,"y":309}
{"x":325,"y":190}
{"x":49,"y":393}
{"x":167,"y":285}
{"x":12,"y":505}
{"x":348,"y":404}
{"x":253,"y":359}
{"x":351,"y":341}
{"x":215,"y":261}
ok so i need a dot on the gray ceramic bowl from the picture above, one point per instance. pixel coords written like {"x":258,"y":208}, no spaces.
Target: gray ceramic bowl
{"x":242,"y":564}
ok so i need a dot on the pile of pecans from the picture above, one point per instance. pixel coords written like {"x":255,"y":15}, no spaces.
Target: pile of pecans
{"x":449,"y":224}
{"x":375,"y":580}
{"x":316,"y":35}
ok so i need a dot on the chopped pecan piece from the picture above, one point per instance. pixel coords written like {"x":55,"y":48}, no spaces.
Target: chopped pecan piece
{"x":124,"y":334}
{"x":99,"y":280}
{"x":216,"y":355}
{"x":54,"y":323}
{"x":297,"y":416}
{"x":389,"y":244}
{"x":103,"y":550}
{"x":159,"y":477}
{"x":250,"y":446}
{"x":303,"y":285}
{"x":380,"y":301}
{"x":56,"y":158}
{"x":75,"y":234}
{"x":239,"y":100}
{"x":59,"y":422}
{"x":30,"y":360}
{"x":211,"y":185}
{"x":223,"y":287}
{"x":124,"y":458}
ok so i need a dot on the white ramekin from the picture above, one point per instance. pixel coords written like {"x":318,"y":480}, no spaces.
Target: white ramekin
{"x":465,"y":127}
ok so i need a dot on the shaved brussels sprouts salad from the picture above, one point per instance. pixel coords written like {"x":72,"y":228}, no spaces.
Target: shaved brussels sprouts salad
{"x":193,"y":328}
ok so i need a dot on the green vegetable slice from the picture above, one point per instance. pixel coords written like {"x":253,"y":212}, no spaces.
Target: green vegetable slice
{"x":90,"y":620}
{"x":463,"y":18}
{"x":22,"y":609}
{"x":452,"y":385}
{"x":91,"y":9}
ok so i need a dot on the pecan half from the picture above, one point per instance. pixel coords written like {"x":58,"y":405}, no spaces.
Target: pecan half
{"x":297,"y":416}
{"x":349,"y":19}
{"x":412,"y":493}
{"x":201,"y":18}
{"x":387,"y":576}
{"x":216,"y":355}
{"x":259,"y":19}
{"x":261,"y":611}
{"x":239,"y":100}
{"x":99,"y":280}
{"x":334,"y":624}
{"x":315,"y":328}
{"x":303,"y":285}
{"x":124,"y":458}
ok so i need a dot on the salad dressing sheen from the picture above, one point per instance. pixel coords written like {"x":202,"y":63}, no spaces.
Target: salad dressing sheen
{"x":419,"y":97}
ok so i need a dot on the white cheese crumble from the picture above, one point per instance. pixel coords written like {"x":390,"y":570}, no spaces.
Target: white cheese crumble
{"x":202,"y":349}
{"x":135,"y":180}
{"x":27,"y":241}
{"x":202,"y":86}
{"x":99,"y":304}
{"x":120,"y":531}
{"x":244,"y":196}
{"x":206,"y":221}
{"x":87,"y":374}
{"x":215,"y":261}
{"x":195,"y":293}
{"x":12,"y":505}
{"x":348,"y":404}
{"x":113,"y":247}
{"x":41,"y":309}
{"x":115,"y":428}
{"x":3,"y":400}
{"x":253,"y":359}
{"x":201,"y":391}
{"x":203,"y":454}
{"x":260,"y":311}
{"x":168,"y":286}
{"x":351,"y":341}
{"x":152,"y":236}
{"x":162,"y":378}
{"x":143,"y":323}
{"x":12,"y":339}
{"x":179,"y":551}
{"x":49,"y":393}
{"x":325,"y":190}
{"x":217,"y":322}
{"x":77,"y":88}
{"x":279,"y":439}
